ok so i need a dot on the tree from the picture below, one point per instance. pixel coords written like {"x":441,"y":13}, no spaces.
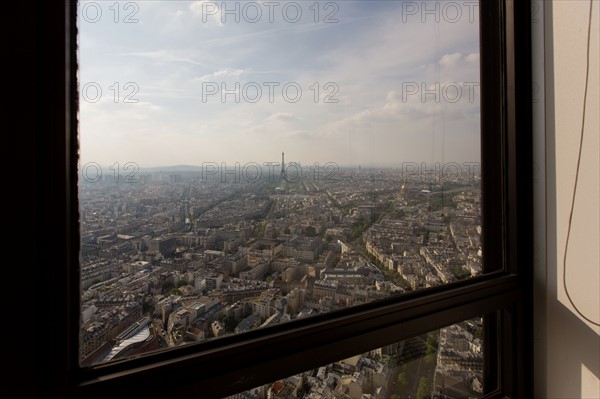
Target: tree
{"x":147,"y":306}
{"x":431,"y":351}
{"x":359,"y":226}
{"x":229,"y":322}
{"x":423,"y":391}
{"x":399,"y":214}
{"x":429,"y":359}
{"x":402,"y":380}
{"x":432,"y":340}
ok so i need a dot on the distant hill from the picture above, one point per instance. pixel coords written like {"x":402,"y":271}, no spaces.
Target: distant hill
{"x":172,"y":169}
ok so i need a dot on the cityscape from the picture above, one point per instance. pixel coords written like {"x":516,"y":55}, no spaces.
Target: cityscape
{"x":178,"y":255}
{"x":443,"y":364}
{"x":240,"y":168}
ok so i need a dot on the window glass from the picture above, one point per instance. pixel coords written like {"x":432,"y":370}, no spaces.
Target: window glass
{"x":447,"y":363}
{"x":245,"y":164}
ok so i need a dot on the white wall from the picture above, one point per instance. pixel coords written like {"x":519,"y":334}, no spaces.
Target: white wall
{"x":567,"y":347}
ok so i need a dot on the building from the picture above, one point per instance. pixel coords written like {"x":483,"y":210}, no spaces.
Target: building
{"x":248,"y":323}
{"x":166,"y":246}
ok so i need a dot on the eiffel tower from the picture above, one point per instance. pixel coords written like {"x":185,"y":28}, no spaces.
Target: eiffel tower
{"x":282,"y":175}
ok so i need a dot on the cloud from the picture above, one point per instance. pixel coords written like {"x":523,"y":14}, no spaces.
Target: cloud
{"x":221,"y":74}
{"x":162,"y":55}
{"x":301,"y":134}
{"x":229,"y":72}
{"x":411,"y":111}
{"x":450,"y":59}
{"x":473,"y":58}
{"x":281,"y":116}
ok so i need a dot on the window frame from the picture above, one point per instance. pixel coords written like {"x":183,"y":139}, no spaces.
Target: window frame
{"x":236,"y":363}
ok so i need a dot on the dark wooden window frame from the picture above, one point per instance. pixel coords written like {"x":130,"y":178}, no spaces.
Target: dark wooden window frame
{"x":235,"y":363}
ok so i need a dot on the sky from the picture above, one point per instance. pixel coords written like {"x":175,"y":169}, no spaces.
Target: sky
{"x":351,"y":82}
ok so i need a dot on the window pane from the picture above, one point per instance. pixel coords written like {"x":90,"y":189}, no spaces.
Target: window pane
{"x":446,"y":363}
{"x":244,"y":164}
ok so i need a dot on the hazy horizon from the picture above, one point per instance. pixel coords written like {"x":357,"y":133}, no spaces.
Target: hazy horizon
{"x":265,"y":164}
